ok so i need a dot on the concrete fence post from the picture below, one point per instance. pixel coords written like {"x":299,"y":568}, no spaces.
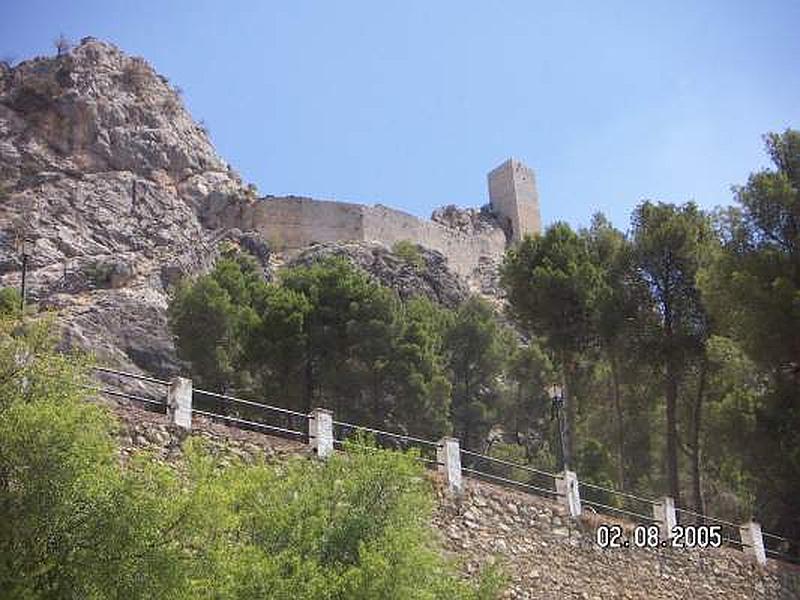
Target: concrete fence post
{"x":448,"y":455}
{"x":664,"y":514}
{"x":753,"y":541}
{"x":320,"y":432}
{"x":179,"y":402}
{"x":568,"y":492}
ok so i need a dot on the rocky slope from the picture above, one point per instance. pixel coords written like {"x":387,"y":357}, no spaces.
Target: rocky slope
{"x":105,"y":174}
{"x":544,"y":553}
{"x":427,"y":276}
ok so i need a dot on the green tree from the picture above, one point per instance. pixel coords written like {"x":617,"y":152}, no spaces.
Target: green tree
{"x":753,"y":290}
{"x":277,"y":349}
{"x":478,"y":349}
{"x":212,"y":316}
{"x":418,"y":370}
{"x":204,"y":320}
{"x":348,"y":334}
{"x":76,"y":523}
{"x":671,"y":243}
{"x":325,"y":334}
{"x":73,"y":524}
{"x":623,"y":312}
{"x":527,"y":411}
{"x":553,"y":288}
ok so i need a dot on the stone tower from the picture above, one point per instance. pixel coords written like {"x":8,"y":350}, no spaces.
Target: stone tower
{"x":514,"y":199}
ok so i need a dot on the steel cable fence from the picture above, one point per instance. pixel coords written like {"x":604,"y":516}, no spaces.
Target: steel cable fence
{"x":427,"y":450}
{"x":151,"y":393}
{"x":508,"y":472}
{"x":614,"y":501}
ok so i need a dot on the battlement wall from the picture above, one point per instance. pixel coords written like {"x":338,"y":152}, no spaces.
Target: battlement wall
{"x":294,"y":222}
{"x":462,"y":250}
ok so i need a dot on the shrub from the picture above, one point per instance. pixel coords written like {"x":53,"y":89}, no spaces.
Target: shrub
{"x":10,"y":301}
{"x":409,"y":252}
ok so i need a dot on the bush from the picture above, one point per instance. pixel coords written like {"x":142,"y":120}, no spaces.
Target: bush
{"x":409,"y":252}
{"x":10,"y":301}
{"x":354,"y":527}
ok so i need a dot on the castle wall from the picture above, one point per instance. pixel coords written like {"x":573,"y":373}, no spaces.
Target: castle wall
{"x":293,"y":222}
{"x":462,"y":250}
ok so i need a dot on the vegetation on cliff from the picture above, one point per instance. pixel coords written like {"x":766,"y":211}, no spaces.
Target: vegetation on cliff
{"x":328,"y":335}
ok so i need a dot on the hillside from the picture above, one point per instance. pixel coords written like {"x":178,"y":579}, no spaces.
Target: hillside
{"x":657,"y":361}
{"x":545,"y":553}
{"x":107,"y":176}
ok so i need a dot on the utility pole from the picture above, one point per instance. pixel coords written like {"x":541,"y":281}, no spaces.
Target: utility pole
{"x":22,"y":248}
{"x":23,"y":289}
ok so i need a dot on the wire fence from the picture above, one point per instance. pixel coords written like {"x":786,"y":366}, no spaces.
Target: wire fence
{"x":777,"y":546}
{"x":151,"y":393}
{"x":729,"y":531}
{"x":249,"y":414}
{"x":616,"y":502}
{"x":426,"y":451}
{"x":508,"y":472}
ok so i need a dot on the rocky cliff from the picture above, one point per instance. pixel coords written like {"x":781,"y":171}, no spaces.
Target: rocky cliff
{"x":104,"y":183}
{"x":102,"y":171}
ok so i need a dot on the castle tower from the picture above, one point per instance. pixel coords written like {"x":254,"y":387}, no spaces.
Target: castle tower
{"x":514,"y":199}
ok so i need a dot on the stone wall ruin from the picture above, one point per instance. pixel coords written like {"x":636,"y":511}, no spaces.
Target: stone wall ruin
{"x":293,"y":222}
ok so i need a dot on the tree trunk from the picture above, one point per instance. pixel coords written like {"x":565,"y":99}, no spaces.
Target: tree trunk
{"x":620,"y":423}
{"x":569,"y":419}
{"x":309,"y":376}
{"x":671,"y":393}
{"x":697,"y":487}
{"x":672,"y":430}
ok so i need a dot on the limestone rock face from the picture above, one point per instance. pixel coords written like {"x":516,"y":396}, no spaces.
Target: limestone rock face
{"x":427,"y":277}
{"x":102,"y":171}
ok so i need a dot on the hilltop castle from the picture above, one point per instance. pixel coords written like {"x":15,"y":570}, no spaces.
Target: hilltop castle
{"x":293,"y":222}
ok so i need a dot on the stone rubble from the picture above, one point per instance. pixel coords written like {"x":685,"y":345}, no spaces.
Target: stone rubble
{"x":550,"y":555}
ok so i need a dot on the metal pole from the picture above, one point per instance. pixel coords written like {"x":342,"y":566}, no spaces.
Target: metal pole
{"x":558,"y":404}
{"x":562,"y":430}
{"x":23,"y":289}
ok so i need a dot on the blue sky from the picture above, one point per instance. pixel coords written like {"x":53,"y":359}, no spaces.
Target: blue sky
{"x":411,"y":103}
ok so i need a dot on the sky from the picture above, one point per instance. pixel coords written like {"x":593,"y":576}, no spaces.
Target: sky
{"x":411,"y":103}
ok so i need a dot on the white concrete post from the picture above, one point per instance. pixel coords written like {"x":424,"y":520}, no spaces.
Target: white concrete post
{"x":753,"y":541}
{"x":567,"y":489}
{"x":664,"y":514}
{"x":320,"y":432}
{"x":448,"y":455}
{"x":179,"y":402}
